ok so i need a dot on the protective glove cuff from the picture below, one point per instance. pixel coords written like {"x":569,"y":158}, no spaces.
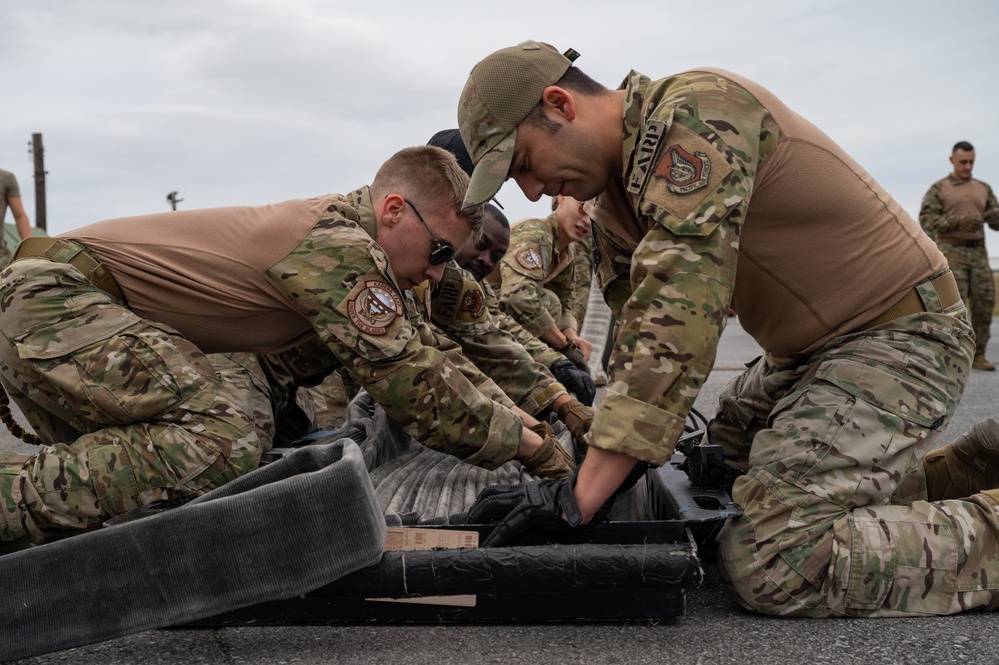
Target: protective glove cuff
{"x":550,"y":460}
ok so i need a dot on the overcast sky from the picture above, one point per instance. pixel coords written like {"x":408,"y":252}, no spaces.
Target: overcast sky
{"x":245,"y":102}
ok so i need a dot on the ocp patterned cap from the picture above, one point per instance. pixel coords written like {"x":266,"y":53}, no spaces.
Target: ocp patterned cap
{"x":500,"y":92}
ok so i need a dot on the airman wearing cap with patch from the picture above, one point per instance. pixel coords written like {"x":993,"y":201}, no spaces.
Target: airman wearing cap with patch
{"x":714,"y":194}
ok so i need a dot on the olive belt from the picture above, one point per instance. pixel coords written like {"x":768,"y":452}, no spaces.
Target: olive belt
{"x":73,"y":253}
{"x":912,"y":303}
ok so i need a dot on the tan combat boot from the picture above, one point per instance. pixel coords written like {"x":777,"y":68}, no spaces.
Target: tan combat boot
{"x":965,"y":466}
{"x":981,"y":363}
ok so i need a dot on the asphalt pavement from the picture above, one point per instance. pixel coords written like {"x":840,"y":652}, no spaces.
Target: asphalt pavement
{"x":712,"y":630}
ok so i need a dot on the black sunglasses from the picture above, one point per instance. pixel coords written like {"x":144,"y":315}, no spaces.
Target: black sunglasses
{"x":442,"y":253}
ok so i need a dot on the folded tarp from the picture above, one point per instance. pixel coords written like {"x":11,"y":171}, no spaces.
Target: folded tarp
{"x":307,"y":520}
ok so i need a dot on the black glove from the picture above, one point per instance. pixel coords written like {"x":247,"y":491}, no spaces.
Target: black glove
{"x":575,"y":356}
{"x":576,"y":381}
{"x":536,"y":505}
{"x":539,"y":505}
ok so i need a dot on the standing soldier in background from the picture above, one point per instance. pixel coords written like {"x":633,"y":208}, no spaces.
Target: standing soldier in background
{"x":954,"y":212}
{"x":539,"y":285}
{"x":10,"y":196}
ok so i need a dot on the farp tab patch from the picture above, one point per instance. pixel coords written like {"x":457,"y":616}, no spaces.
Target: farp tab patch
{"x":458,"y":298}
{"x":375,"y":307}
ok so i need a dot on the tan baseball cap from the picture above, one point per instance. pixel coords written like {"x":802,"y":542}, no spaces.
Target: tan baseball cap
{"x":500,"y":92}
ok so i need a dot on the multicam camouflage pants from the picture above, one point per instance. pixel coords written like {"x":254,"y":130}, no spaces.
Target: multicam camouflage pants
{"x":977,"y":286}
{"x":129,"y":411}
{"x":824,"y":530}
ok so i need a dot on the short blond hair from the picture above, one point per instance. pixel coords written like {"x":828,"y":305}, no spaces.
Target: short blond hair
{"x":427,"y":171}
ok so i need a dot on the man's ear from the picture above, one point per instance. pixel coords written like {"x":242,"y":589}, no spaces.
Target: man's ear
{"x":390,"y":210}
{"x":560,"y":101}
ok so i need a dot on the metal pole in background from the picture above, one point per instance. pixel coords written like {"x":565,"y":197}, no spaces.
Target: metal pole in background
{"x":39,"y":153}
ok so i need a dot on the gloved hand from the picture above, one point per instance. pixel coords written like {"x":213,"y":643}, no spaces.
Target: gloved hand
{"x":577,"y":417}
{"x":575,"y":381}
{"x":550,"y":460}
{"x":968,"y":223}
{"x":539,"y":505}
{"x":536,"y":505}
{"x":575,"y":356}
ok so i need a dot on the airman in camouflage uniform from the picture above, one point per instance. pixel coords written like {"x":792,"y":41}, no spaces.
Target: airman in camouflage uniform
{"x":104,"y":333}
{"x":564,"y":370}
{"x":712,"y":193}
{"x":539,"y":280}
{"x":483,"y":257}
{"x":954,"y":213}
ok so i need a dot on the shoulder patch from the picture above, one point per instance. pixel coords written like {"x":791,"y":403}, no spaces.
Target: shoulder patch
{"x":684,"y":172}
{"x":689,"y":170}
{"x":472,"y":303}
{"x":375,"y":307}
{"x":529,"y":258}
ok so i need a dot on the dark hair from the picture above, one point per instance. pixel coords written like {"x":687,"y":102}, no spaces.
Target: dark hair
{"x":575,"y":80}
{"x":450,"y":140}
{"x":962,"y":145}
{"x":490,"y":209}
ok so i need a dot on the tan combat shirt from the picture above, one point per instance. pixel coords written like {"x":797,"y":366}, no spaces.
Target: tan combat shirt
{"x":949,"y":200}
{"x":729,"y":198}
{"x":266,"y":278}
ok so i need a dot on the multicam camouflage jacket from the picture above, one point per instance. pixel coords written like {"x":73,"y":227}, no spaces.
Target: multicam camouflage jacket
{"x":458,"y":307}
{"x":533,"y":265}
{"x":340,"y":279}
{"x":939,"y":219}
{"x":667,"y":270}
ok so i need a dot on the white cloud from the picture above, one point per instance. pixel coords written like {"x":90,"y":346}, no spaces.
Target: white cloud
{"x":247,"y":102}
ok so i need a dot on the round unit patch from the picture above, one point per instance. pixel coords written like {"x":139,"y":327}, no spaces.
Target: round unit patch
{"x":529,"y":258}
{"x":375,"y":308}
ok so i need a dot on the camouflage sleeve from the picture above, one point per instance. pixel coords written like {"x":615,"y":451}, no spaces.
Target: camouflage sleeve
{"x":433,"y":334}
{"x":582,"y":272}
{"x":991,"y":215}
{"x":931,"y":215}
{"x":338,"y":278}
{"x":611,"y":262}
{"x":458,"y":306}
{"x":561,"y":287}
{"x":683,"y":274}
{"x":538,"y":350}
{"x":522,"y":272}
